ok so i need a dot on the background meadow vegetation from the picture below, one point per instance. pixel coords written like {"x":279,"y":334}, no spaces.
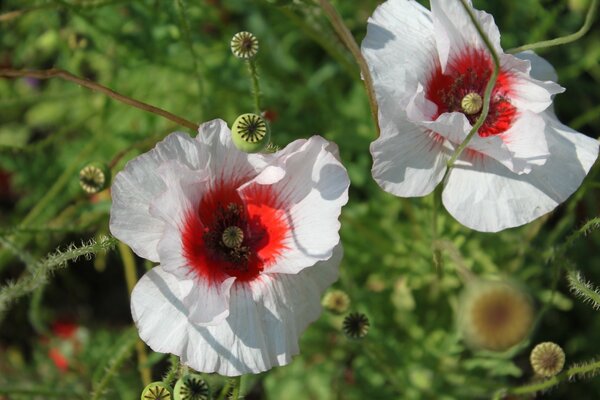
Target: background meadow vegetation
{"x":175,"y":55}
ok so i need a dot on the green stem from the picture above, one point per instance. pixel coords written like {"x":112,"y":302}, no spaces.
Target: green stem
{"x":583,"y":289}
{"x":173,"y":371}
{"x":589,"y":19}
{"x":346,"y":37}
{"x":237,"y":386}
{"x":488,"y":89}
{"x":122,"y":352}
{"x":255,"y":84}
{"x":437,"y":254}
{"x":575,"y":371}
{"x":187,"y":37}
{"x":131,"y":279}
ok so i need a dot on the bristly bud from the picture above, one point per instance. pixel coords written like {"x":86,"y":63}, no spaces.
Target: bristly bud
{"x":157,"y":391}
{"x":336,"y":301}
{"x":356,"y":325}
{"x":94,"y":177}
{"x":191,"y":387}
{"x":244,"y":45}
{"x":547,"y":359}
{"x":495,"y":315}
{"x":250,"y":133}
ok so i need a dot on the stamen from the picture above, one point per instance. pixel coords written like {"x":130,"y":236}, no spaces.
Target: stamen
{"x":232,"y":237}
{"x":471,"y":103}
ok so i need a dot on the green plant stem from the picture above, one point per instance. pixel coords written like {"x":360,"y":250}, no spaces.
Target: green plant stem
{"x":575,"y":371}
{"x":187,"y":36}
{"x":224,"y":390}
{"x":237,"y":386}
{"x":488,"y":89}
{"x":122,"y":352}
{"x":583,"y":289}
{"x":346,"y":37}
{"x":255,"y":84}
{"x":589,"y":19}
{"x":131,"y":279}
{"x":437,"y":254}
{"x":173,"y":371}
{"x":58,"y":73}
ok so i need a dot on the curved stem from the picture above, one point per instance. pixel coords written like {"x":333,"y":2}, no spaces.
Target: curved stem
{"x":237,"y":386}
{"x":58,"y":73}
{"x":488,"y":89}
{"x":587,"y":24}
{"x":340,"y":28}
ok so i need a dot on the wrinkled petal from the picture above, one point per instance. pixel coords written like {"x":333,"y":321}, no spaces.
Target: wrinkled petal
{"x":265,"y":319}
{"x":485,"y":196}
{"x":455,"y":32}
{"x":310,"y":186}
{"x":137,"y":185}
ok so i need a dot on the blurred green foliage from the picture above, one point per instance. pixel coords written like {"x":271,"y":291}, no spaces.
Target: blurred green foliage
{"x":49,"y":129}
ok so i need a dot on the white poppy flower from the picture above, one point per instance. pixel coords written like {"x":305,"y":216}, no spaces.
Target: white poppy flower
{"x":430,"y":69}
{"x":246,"y":243}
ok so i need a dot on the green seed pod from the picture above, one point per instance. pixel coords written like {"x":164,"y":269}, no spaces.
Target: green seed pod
{"x":356,"y":325}
{"x":336,"y":301}
{"x":250,"y":133}
{"x":244,"y":45}
{"x":94,"y":177}
{"x":191,"y":387}
{"x":547,"y":359}
{"x":157,"y":391}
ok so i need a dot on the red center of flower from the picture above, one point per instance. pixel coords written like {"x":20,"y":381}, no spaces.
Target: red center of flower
{"x":463,"y":84}
{"x":231,"y":236}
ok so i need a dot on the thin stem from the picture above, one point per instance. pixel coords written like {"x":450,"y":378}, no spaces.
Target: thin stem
{"x":580,"y":370}
{"x":340,"y":28}
{"x":589,"y":19}
{"x":173,"y":371}
{"x":131,"y":279}
{"x":58,"y":73}
{"x":437,"y":254}
{"x":488,"y":89}
{"x":225,"y":390}
{"x":187,"y":36}
{"x":255,"y":84}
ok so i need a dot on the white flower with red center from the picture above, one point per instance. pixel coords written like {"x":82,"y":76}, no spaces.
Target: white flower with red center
{"x":430,"y":70}
{"x":246,"y":243}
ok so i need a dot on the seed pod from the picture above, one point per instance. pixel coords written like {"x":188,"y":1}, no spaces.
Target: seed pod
{"x":157,"y":391}
{"x":336,"y":301}
{"x":244,"y":45}
{"x":547,"y":359}
{"x":250,"y":133}
{"x":356,"y":325}
{"x":191,"y":387}
{"x":94,"y":177}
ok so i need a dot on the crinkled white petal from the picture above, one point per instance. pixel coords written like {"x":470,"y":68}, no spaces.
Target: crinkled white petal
{"x":541,"y":69}
{"x":455,"y":32}
{"x":485,"y":196}
{"x":138,"y":184}
{"x":265,"y":320}
{"x":398,"y":47}
{"x":526,"y":92}
{"x":227,"y":163}
{"x":310,"y":186}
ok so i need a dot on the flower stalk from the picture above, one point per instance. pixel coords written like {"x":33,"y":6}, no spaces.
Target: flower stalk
{"x":587,"y":24}
{"x":488,"y":89}
{"x":342,"y":30}
{"x":59,"y":73}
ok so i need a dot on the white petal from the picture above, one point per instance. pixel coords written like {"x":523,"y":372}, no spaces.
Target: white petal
{"x":310,"y":196}
{"x":399,"y":47}
{"x":541,"y":69}
{"x":408,"y":161}
{"x":455,"y":32}
{"x":138,"y":184}
{"x":487,"y":197}
{"x":227,"y":163}
{"x":527,"y":93}
{"x":266,"y":318}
